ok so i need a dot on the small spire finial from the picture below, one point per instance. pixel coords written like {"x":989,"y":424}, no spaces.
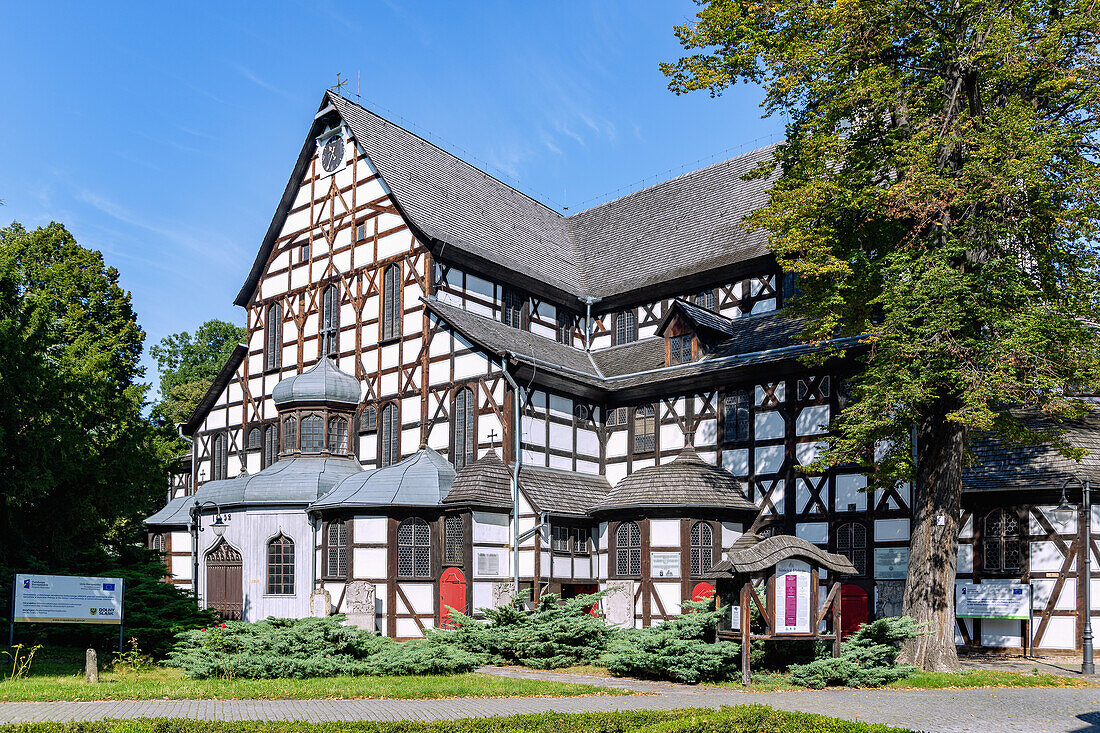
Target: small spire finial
{"x":339,"y":84}
{"x":492,"y":439}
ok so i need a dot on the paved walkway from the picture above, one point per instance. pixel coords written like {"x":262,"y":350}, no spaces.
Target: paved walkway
{"x":1035,"y":710}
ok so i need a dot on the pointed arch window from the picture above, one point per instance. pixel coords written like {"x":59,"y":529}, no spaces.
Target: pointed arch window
{"x":280,"y":566}
{"x":312,"y":438}
{"x":220,"y":469}
{"x":254,"y":438}
{"x":628,"y":550}
{"x":389,"y":436}
{"x":391,"y":302}
{"x":851,"y":542}
{"x":465,"y":435}
{"x":626,"y":327}
{"x":290,"y":428}
{"x":1001,"y":545}
{"x":330,"y":321}
{"x":414,"y":549}
{"x":338,"y":435}
{"x":273,"y":337}
{"x":271,"y":445}
{"x":645,"y":429}
{"x":158,"y":542}
{"x":702,"y":548}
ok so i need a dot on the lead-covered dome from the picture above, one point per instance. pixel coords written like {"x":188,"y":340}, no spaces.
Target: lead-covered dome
{"x":322,"y":383}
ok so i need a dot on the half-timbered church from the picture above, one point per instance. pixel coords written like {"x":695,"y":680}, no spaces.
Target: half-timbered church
{"x":446,"y":384}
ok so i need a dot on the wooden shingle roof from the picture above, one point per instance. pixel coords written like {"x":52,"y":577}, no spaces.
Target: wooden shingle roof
{"x":488,"y":482}
{"x":751,"y":554}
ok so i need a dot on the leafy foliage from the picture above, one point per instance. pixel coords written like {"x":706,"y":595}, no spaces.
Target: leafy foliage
{"x":556,"y":634}
{"x":867,"y":659}
{"x":310,"y":647}
{"x":681,"y":649}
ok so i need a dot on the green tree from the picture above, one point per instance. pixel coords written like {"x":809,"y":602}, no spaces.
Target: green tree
{"x":937,"y":194}
{"x":188,"y":365}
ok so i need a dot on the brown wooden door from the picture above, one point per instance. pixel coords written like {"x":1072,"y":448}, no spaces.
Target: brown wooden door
{"x":224,"y":586}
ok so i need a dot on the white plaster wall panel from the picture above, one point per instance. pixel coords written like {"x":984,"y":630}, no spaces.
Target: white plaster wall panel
{"x":731,"y":531}
{"x":769,"y":459}
{"x":563,"y":567}
{"x":816,"y":532}
{"x":769,"y":425}
{"x":672,"y":437}
{"x":891,"y":529}
{"x":1095,"y":515}
{"x":410,"y":440}
{"x":388,"y":384}
{"x":778,"y":497}
{"x":588,"y":442}
{"x":812,"y":420}
{"x":1061,"y":526}
{"x":181,"y":542}
{"x":561,"y":462}
{"x":617,"y":444}
{"x":489,"y":428}
{"x":1002,"y":632}
{"x":639,"y":464}
{"x":1061,"y":632}
{"x":491,"y":562}
{"x":965,"y":560}
{"x":664,"y":532}
{"x":850,"y":491}
{"x":468,"y":366}
{"x":526,"y":563}
{"x":802,"y":495}
{"x":1041,"y":590}
{"x":967,"y":529}
{"x":780,"y":393}
{"x":807,"y":453}
{"x":369,"y":562}
{"x":342,"y":262}
{"x":669,"y":593}
{"x":421,"y":596}
{"x":582,"y":568}
{"x":561,"y":436}
{"x":253,"y":462}
{"x":442,"y":343}
{"x":707,"y":432}
{"x":589,"y":467}
{"x":370,"y":313}
{"x":368,"y":529}
{"x":448,"y":297}
{"x":615,"y":473}
{"x":959,"y":639}
{"x":1044,"y":557}
{"x":407,"y":628}
{"x":736,"y":461}
{"x":299,"y":277}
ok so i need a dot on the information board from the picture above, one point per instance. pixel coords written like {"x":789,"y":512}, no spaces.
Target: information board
{"x":891,"y":563}
{"x":792,"y":597}
{"x":68,"y":599}
{"x":664,"y":564}
{"x":993,"y":599}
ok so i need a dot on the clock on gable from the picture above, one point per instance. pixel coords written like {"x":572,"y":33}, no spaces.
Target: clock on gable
{"x":332,"y":154}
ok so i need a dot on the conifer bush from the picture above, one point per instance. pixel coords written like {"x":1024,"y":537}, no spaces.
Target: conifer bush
{"x":867,"y":659}
{"x":681,"y":649}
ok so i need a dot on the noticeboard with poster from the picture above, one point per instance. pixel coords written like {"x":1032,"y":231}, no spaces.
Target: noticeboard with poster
{"x":792,"y":596}
{"x":68,"y":599}
{"x":993,"y":599}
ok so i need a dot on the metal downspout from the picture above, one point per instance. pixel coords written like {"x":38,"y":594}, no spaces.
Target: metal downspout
{"x":195,"y":528}
{"x":588,"y":300}
{"x":517,"y":460}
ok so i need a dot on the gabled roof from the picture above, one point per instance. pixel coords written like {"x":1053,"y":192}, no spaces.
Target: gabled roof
{"x":484,"y":482}
{"x":686,"y":481}
{"x":225,"y":374}
{"x":422,"y":479}
{"x":657,"y":237}
{"x":751,"y":554}
{"x":488,"y":482}
{"x":699,"y":318}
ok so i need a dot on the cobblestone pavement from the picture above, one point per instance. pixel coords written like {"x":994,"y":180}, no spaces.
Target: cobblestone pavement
{"x":1035,"y":710}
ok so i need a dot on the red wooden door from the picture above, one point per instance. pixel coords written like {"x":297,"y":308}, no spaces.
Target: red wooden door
{"x":855,"y":608}
{"x":702,"y":592}
{"x":452,"y":593}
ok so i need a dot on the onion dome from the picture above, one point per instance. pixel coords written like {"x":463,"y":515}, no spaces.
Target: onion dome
{"x":321,"y":383}
{"x":422,"y":479}
{"x":686,"y":482}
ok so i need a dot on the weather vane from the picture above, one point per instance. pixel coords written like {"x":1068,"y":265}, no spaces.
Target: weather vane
{"x":339,"y":84}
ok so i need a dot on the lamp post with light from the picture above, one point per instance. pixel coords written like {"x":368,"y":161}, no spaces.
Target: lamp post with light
{"x":218,"y":526}
{"x":1064,"y":511}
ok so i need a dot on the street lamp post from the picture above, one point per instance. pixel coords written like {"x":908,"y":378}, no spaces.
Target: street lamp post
{"x":218,"y":526}
{"x":1064,"y":510}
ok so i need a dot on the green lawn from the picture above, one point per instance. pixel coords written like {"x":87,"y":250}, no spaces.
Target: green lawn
{"x":739,"y":719}
{"x":774,"y":681}
{"x":59,"y":681}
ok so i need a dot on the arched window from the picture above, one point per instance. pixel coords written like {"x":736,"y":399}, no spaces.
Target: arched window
{"x":290,"y":429}
{"x":338,"y":435}
{"x":335,"y":550}
{"x":254,"y":438}
{"x":851,"y":542}
{"x":1001,"y":541}
{"x":390,"y":438}
{"x":220,"y":469}
{"x":273,"y":337}
{"x":512,"y":305}
{"x":735,"y":417}
{"x":465,"y":437}
{"x":280,"y":566}
{"x":391,"y":302}
{"x":626,"y":327}
{"x":414,"y":549}
{"x":158,"y":542}
{"x":702,"y":548}
{"x":705,"y":299}
{"x":271,"y":445}
{"x":453,"y":538}
{"x":368,"y":419}
{"x":330,"y":321}
{"x":565,"y":327}
{"x":628,"y":549}
{"x":645,"y":429}
{"x":312,"y":438}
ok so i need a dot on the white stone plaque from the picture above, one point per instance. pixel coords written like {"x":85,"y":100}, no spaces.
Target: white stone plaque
{"x":618,"y":603}
{"x":359,"y":604}
{"x":320,"y":603}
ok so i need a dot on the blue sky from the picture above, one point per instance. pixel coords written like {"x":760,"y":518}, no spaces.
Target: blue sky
{"x":163,"y":134}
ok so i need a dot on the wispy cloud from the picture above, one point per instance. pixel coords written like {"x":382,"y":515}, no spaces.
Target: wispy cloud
{"x":248,"y":74}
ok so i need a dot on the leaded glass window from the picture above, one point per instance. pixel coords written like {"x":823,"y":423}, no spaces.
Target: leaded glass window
{"x":391,"y":302}
{"x":337,"y":435}
{"x":1001,"y":541}
{"x":221,"y":457}
{"x":254,"y":438}
{"x":736,"y":416}
{"x":702,"y":548}
{"x":312,"y":438}
{"x":679,"y":349}
{"x":280,"y":566}
{"x":368,"y":419}
{"x":513,"y":303}
{"x":465,"y":437}
{"x":273,"y":337}
{"x":645,"y":429}
{"x":271,"y":445}
{"x":414,"y":549}
{"x":705,"y":299}
{"x":330,"y":321}
{"x":851,"y":542}
{"x":158,"y":542}
{"x":628,"y":550}
{"x":391,"y":436}
{"x":452,"y":540}
{"x":626,"y":327}
{"x":565,"y":327}
{"x":336,"y":549}
{"x":291,"y":438}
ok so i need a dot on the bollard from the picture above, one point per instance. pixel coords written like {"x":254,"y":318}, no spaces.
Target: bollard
{"x":91,"y":667}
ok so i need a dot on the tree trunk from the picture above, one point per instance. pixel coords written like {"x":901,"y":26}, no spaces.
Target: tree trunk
{"x":930,"y":587}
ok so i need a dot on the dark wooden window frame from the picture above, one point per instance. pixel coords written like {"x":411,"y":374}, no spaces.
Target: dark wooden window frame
{"x":464,"y":425}
{"x":270,"y":451}
{"x":577,"y":540}
{"x":313,"y":418}
{"x":732,"y":402}
{"x":273,"y":338}
{"x":327,"y":547}
{"x":421,"y":563}
{"x":280,"y":567}
{"x":644,"y":451}
{"x":629,"y":333}
{"x":631,"y":551}
{"x":1002,"y":540}
{"x":454,"y":547}
{"x":329,"y":334}
{"x":219,"y":466}
{"x":515,"y":308}
{"x":849,"y":548}
{"x":391,"y":311}
{"x":388,"y":458}
{"x":701,"y":553}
